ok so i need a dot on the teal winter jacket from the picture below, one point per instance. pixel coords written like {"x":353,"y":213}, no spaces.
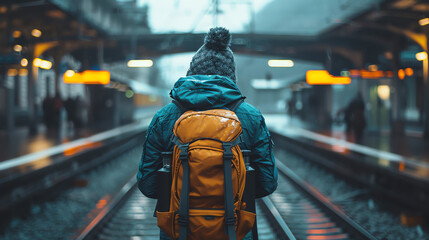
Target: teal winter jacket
{"x":203,"y":92}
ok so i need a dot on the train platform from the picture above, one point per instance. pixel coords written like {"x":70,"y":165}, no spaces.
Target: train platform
{"x":47,"y":166}
{"x":44,"y":150}
{"x":397,"y":168}
{"x":21,"y":143}
{"x":404,"y":148}
{"x":407,"y":154}
{"x":44,"y":160}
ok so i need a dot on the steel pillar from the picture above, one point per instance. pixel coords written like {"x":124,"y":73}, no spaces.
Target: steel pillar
{"x":10,"y":106}
{"x":32,"y":95}
{"x":397,"y":98}
{"x":426,"y":87}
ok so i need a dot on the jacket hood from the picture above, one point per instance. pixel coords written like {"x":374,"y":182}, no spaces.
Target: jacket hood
{"x":202,"y":92}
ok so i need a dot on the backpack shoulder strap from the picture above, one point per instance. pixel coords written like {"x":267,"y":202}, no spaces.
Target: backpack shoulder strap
{"x":179,"y":105}
{"x":230,"y":219}
{"x":234,"y":105}
{"x":184,"y":195}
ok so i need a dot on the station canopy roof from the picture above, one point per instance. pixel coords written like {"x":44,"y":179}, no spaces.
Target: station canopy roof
{"x":291,"y":17}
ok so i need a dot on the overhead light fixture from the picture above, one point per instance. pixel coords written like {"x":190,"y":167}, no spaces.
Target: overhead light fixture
{"x":409,"y":72}
{"x":24,"y":62}
{"x":44,"y":64}
{"x":373,"y":68}
{"x":69,"y":73}
{"x":36,"y":33}
{"x":388,"y":55}
{"x":421,"y":56}
{"x":383,"y":92}
{"x":17,"y":48}
{"x":140,"y":63}
{"x":280,"y":63}
{"x":401,"y":74}
{"x":16,"y":34}
{"x":424,"y":21}
{"x":3,"y":9}
{"x":37,"y":62}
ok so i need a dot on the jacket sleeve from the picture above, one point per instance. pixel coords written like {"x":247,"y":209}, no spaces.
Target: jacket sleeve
{"x":150,"y":161}
{"x":262,"y":160}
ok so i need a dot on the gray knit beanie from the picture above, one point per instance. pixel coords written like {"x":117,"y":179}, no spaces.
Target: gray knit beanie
{"x":214,"y":57}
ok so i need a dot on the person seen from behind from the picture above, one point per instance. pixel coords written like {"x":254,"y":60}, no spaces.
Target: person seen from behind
{"x":210,"y":83}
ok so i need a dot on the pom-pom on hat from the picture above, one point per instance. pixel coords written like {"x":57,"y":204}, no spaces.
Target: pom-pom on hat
{"x":214,"y":57}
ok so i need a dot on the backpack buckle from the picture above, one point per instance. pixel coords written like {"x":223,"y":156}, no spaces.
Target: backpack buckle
{"x":230,"y":221}
{"x":227,"y":152}
{"x":182,"y":220}
{"x":174,"y":139}
{"x":183,"y":152}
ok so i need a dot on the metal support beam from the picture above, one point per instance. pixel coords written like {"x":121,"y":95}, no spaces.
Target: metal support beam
{"x":10,"y":106}
{"x":100,"y":53}
{"x":57,"y":59}
{"x":116,"y":109}
{"x":397,"y":98}
{"x":32,"y":105}
{"x":426,"y":90}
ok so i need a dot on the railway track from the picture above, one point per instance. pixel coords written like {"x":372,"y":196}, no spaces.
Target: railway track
{"x":307,"y":213}
{"x":129,"y":215}
{"x":295,"y":211}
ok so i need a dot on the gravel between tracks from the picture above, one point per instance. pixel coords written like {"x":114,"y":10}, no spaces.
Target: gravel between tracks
{"x":357,"y":202}
{"x":60,"y":217}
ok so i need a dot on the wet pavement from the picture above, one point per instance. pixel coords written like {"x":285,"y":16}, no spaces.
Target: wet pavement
{"x":410,"y":146}
{"x":21,"y":142}
{"x":407,"y":154}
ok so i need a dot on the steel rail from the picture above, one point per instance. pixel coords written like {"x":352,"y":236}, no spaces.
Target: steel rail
{"x":276,"y":219}
{"x":339,"y":215}
{"x":108,"y":211}
{"x":273,"y":214}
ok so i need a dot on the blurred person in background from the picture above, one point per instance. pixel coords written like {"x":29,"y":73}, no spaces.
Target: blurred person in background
{"x":356,"y":112}
{"x":81,"y":113}
{"x":57,"y":107}
{"x":47,"y":111}
{"x":70,"y":106}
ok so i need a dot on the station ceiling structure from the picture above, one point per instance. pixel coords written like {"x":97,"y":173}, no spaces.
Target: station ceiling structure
{"x":386,"y":26}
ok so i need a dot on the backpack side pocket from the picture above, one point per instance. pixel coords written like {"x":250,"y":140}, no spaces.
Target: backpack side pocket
{"x":245,"y":223}
{"x":165,"y":221}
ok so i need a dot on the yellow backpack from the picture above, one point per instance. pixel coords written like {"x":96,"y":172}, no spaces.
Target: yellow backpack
{"x":208,"y":179}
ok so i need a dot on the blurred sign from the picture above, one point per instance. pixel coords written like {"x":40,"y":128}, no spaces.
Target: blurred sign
{"x":87,"y":77}
{"x":370,"y":74}
{"x":322,"y":77}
